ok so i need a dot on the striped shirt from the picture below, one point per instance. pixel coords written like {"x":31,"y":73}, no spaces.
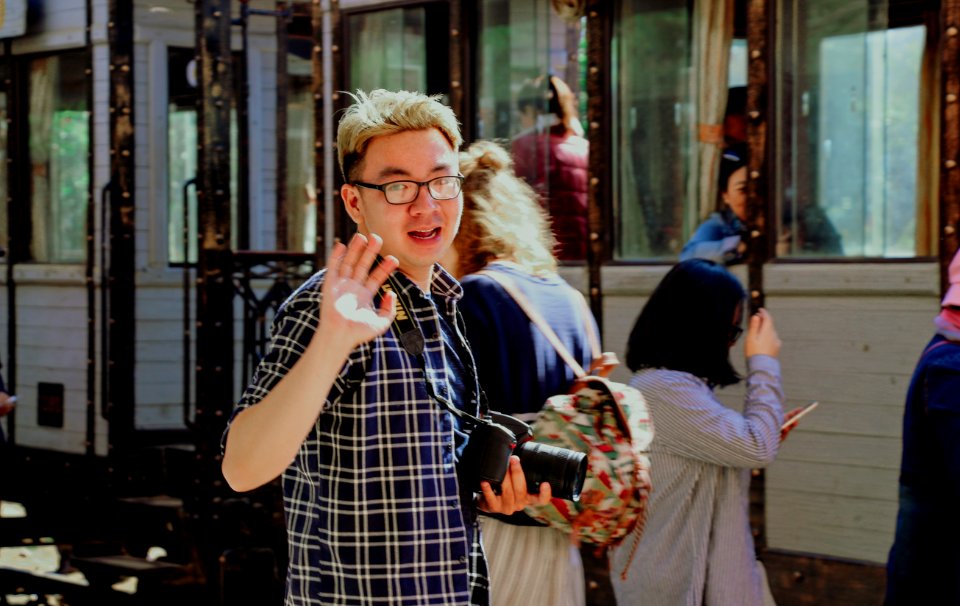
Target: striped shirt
{"x":697,"y":547}
{"x":371,"y":499}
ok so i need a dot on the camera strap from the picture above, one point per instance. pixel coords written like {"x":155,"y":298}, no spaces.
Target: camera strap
{"x":403,"y":325}
{"x":408,"y":332}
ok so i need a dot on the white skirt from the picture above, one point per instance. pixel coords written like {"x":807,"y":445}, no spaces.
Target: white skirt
{"x":532,"y":565}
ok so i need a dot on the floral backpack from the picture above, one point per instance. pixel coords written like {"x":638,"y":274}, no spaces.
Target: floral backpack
{"x":607,"y":420}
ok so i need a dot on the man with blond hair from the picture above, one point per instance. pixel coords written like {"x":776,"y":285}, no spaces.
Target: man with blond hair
{"x":359,"y":412}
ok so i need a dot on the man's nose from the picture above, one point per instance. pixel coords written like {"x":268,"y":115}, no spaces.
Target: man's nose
{"x":424,"y":202}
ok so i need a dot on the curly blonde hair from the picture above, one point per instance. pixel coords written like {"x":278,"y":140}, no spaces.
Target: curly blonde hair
{"x":502,"y":215}
{"x":383,"y":112}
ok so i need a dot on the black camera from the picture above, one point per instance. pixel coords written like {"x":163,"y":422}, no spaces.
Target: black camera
{"x":492,"y":441}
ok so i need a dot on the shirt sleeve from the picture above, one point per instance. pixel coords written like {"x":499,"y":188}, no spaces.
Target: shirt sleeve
{"x":689,"y":421}
{"x":293,"y":328}
{"x":711,"y":241}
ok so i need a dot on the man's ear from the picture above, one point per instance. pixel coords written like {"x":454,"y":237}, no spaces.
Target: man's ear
{"x":351,"y":201}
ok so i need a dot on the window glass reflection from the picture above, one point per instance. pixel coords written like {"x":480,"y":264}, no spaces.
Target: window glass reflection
{"x":851,"y":91}
{"x":59,"y":133}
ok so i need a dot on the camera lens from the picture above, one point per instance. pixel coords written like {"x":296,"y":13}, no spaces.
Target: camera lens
{"x":564,"y":469}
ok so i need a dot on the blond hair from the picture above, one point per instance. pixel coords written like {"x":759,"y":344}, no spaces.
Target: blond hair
{"x":382,"y":112}
{"x":502,"y":215}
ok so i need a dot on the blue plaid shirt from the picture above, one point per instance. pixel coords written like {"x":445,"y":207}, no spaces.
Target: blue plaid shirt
{"x":371,"y":500}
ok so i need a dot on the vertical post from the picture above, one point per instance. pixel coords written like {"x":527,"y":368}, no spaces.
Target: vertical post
{"x":215,"y":346}
{"x":599,"y":20}
{"x":120,"y":281}
{"x":459,"y":69}
{"x":243,"y":124}
{"x":950,"y":138}
{"x":339,"y":222}
{"x":759,"y":241}
{"x":91,"y":256}
{"x":319,"y":165}
{"x":283,"y":90}
{"x":14,"y":169}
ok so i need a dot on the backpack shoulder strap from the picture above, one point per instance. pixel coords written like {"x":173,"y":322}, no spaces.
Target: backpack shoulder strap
{"x":507,"y":283}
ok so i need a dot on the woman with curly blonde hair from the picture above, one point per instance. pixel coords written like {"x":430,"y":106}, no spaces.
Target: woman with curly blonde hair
{"x":505,"y":231}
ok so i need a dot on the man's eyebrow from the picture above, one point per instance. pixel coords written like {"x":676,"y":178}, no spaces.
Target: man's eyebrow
{"x":395,"y":171}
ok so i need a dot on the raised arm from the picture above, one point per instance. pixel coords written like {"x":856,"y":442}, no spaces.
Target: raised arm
{"x":264,"y":438}
{"x":694,"y":424}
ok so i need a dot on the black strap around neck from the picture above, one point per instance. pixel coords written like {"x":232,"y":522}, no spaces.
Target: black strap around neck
{"x":413,"y":343}
{"x":409,"y":333}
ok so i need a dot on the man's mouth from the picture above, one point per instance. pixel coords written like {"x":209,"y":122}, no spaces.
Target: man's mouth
{"x":425,"y":234}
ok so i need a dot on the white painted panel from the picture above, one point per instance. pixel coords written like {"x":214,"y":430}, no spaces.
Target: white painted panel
{"x":824,"y":524}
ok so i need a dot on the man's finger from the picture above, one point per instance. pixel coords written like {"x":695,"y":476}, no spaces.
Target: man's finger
{"x":490,"y":498}
{"x":367,"y":258}
{"x":333,"y":263}
{"x":381,"y":272}
{"x":349,"y":263}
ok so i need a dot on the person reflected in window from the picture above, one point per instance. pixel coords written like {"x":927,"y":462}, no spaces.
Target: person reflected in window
{"x":925,"y":558}
{"x":697,"y":547}
{"x":807,"y":231}
{"x":721,"y":238}
{"x":735,"y":116}
{"x":504,"y":230}
{"x":552,"y":155}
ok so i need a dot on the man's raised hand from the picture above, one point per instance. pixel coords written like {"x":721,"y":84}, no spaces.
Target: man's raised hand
{"x":347,"y":314}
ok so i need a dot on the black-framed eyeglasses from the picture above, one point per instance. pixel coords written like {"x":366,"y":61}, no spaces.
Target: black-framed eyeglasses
{"x":735,"y":332}
{"x":405,"y":192}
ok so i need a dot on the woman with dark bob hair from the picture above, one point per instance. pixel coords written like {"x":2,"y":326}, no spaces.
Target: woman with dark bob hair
{"x":697,"y":547}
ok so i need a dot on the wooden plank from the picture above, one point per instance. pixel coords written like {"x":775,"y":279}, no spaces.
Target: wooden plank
{"x":840,"y":480}
{"x":851,"y":419}
{"x":830,"y":525}
{"x":881,"y":279}
{"x":836,"y":385}
{"x":845,"y":449}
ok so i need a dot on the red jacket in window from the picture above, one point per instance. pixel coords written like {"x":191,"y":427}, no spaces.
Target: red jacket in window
{"x":556,"y":166}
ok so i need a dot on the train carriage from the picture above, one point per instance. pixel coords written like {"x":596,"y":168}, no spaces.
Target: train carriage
{"x":170,"y":174}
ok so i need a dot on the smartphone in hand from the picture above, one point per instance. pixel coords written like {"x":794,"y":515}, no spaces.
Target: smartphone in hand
{"x":799,"y":415}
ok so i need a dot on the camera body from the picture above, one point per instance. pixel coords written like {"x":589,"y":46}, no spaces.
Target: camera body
{"x":492,"y":441}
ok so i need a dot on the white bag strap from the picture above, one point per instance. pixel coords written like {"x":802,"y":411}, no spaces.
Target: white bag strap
{"x":507,"y":283}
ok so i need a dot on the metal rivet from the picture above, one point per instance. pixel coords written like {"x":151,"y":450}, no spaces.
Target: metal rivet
{"x":951,"y":98}
{"x":454,"y":32}
{"x":950,"y":163}
{"x":755,"y":233}
{"x":755,"y":174}
{"x":951,"y":31}
{"x":755,"y":54}
{"x":754,"y":115}
{"x":949,"y":230}
{"x":594,"y":236}
{"x":755,"y":294}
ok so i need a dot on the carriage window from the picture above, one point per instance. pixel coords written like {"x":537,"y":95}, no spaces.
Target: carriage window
{"x":388,"y":49}
{"x":531,"y":77}
{"x":652,"y":146}
{"x":182,"y":158}
{"x":850,"y":95}
{"x":59,"y":135}
{"x":301,"y":174}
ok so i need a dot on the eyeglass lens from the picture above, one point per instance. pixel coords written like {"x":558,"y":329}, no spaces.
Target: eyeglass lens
{"x":441,"y":188}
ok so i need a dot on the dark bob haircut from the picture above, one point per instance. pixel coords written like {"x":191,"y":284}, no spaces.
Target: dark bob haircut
{"x":686,"y":325}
